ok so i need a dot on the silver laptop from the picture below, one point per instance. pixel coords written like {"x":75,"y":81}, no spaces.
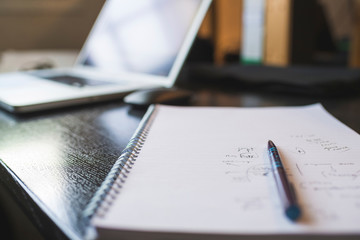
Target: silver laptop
{"x":133,"y":45}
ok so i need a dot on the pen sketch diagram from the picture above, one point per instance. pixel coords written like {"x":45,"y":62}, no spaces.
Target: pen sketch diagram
{"x":329,"y":182}
{"x":251,"y":204}
{"x":332,"y":181}
{"x":299,"y":150}
{"x":245,"y":164}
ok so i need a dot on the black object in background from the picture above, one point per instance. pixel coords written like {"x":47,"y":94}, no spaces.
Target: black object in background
{"x":309,"y":81}
{"x":170,"y":96}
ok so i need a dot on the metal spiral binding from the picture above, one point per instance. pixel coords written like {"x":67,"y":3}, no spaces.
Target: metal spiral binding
{"x":111,"y":187}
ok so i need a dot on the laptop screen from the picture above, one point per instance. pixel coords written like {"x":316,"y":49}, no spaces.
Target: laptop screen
{"x":142,"y":36}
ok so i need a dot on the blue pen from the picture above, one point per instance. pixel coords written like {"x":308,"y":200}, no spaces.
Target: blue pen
{"x":287,"y":195}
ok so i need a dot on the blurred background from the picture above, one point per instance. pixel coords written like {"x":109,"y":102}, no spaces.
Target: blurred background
{"x":46,"y":24}
{"x":265,"y":32}
{"x":280,"y":33}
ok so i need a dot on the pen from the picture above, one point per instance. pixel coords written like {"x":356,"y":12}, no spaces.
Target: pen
{"x":287,"y":195}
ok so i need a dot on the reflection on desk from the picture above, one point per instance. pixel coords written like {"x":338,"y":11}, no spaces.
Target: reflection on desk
{"x":53,"y":162}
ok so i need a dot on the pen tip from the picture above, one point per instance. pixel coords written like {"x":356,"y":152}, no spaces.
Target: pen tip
{"x":270,"y":144}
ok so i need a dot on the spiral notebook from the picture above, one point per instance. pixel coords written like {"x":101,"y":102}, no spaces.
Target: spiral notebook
{"x":204,"y":173}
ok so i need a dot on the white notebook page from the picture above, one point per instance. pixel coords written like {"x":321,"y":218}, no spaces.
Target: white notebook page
{"x":206,"y":170}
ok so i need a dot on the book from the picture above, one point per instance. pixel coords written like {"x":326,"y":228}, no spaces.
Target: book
{"x":278,"y":32}
{"x":291,"y":30}
{"x":253,"y":31}
{"x":226,"y":29}
{"x":204,"y":173}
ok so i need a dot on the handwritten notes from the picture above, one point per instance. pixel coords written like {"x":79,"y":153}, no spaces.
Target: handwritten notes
{"x":206,"y":170}
{"x":325,"y":144}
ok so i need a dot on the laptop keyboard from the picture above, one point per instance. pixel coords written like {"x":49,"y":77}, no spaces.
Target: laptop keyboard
{"x":77,"y":81}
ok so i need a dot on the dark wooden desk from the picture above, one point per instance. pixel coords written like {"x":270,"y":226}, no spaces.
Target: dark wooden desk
{"x":53,"y":162}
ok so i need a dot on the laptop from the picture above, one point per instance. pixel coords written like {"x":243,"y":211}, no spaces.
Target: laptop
{"x":133,"y":45}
